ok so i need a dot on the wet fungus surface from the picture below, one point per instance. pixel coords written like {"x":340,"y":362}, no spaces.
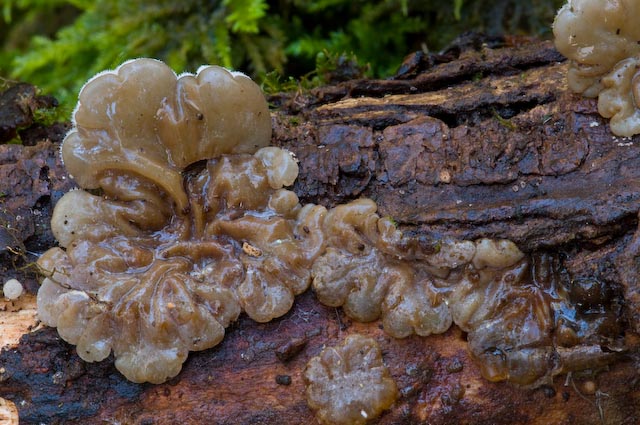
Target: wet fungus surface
{"x":183,"y":222}
{"x":349,"y":384}
{"x":186,"y":225}
{"x":600,"y":39}
{"x":525,"y":323}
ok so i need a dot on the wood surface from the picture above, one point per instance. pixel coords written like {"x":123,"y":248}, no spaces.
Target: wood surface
{"x":481,"y":140}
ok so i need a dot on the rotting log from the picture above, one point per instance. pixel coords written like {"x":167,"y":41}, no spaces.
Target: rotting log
{"x":483,"y":140}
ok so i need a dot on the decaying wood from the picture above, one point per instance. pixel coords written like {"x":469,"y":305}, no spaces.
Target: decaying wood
{"x":476,"y":142}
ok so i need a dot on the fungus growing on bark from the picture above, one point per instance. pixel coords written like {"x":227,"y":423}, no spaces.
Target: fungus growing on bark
{"x":620,"y":98}
{"x":525,"y":323}
{"x":349,"y":384}
{"x":365,"y":270}
{"x":600,"y":39}
{"x":184,"y":222}
{"x":188,"y":225}
{"x":12,"y":289}
{"x":522,"y":322}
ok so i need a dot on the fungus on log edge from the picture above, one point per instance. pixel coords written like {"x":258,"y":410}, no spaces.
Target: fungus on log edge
{"x":600,"y":38}
{"x":153,"y":266}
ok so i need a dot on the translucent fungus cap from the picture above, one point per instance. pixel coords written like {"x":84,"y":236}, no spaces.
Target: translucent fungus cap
{"x":143,"y":119}
{"x":620,"y":97}
{"x":152,"y":284}
{"x":601,"y":39}
{"x":349,"y":384}
{"x":369,"y":268}
{"x":165,"y":256}
{"x":595,"y":35}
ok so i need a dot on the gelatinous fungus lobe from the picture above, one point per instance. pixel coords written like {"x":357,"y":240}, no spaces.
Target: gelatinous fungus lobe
{"x":349,"y":384}
{"x":522,"y":322}
{"x":373,"y":271}
{"x":506,"y":316}
{"x":527,"y":321}
{"x":600,"y":39}
{"x":187,"y":223}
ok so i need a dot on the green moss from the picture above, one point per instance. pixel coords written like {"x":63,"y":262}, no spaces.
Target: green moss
{"x":506,"y":123}
{"x":185,"y":34}
{"x":59,"y":44}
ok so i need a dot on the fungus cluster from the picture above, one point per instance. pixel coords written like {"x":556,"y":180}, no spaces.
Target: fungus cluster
{"x":349,"y":384}
{"x":600,"y":39}
{"x":367,"y":269}
{"x":519,"y":317}
{"x":183,"y":222}
{"x":187,"y":222}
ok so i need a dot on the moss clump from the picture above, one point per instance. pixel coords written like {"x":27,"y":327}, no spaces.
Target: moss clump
{"x":58,"y":44}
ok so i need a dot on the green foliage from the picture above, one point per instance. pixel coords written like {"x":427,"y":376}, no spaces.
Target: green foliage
{"x":185,"y":34}
{"x":244,"y":15}
{"x":379,"y":33}
{"x":59,"y":44}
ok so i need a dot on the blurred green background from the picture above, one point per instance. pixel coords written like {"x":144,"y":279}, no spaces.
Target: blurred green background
{"x":58,"y":44}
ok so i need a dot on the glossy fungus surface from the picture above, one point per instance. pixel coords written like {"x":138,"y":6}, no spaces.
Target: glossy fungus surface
{"x":183,"y":221}
{"x":12,"y":289}
{"x":600,"y":39}
{"x":523,"y":324}
{"x":349,"y":383}
{"x":364,"y":270}
{"x":188,"y":225}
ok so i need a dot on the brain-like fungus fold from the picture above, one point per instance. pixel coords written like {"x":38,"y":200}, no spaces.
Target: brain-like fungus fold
{"x":141,"y":119}
{"x":190,"y":224}
{"x":522,"y":323}
{"x":183,"y":221}
{"x":365,"y":270}
{"x":600,"y":39}
{"x":349,"y":383}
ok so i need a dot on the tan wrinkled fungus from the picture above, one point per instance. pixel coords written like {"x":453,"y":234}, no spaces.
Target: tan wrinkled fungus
{"x":349,"y":384}
{"x":183,"y":221}
{"x":600,"y":39}
{"x":521,"y":322}
{"x":620,"y":98}
{"x":155,"y":264}
{"x":362,"y":270}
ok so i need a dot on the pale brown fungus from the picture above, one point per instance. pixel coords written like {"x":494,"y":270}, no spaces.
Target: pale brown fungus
{"x":522,"y":326}
{"x":600,"y":39}
{"x":363,"y":270}
{"x":165,"y":257}
{"x":349,"y":384}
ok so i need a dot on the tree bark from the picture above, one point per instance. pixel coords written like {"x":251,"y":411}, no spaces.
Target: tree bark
{"x":480,"y":141}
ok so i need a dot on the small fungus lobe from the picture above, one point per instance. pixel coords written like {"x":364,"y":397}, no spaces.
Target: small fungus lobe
{"x":600,"y":39}
{"x":12,"y":289}
{"x":349,"y":384}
